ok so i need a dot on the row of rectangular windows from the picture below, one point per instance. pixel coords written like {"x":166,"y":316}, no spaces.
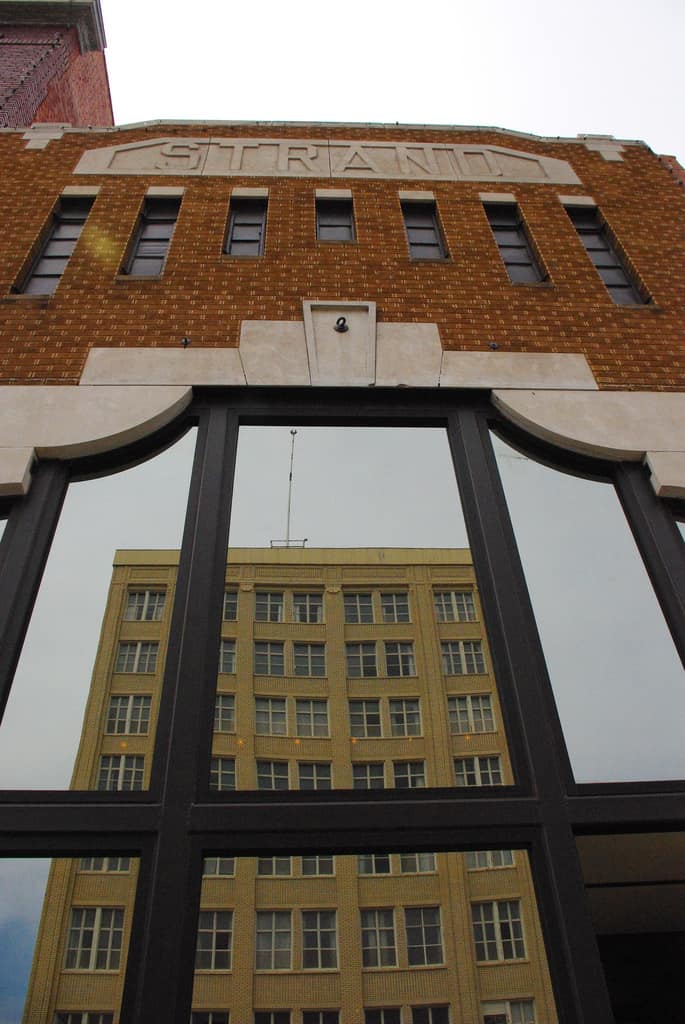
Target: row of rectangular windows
{"x":515,"y":1011}
{"x":246,"y":236}
{"x":129,"y":714}
{"x":320,"y":864}
{"x":95,"y":936}
{"x":126,"y":773}
{"x":450,"y":606}
{"x":459,"y":657}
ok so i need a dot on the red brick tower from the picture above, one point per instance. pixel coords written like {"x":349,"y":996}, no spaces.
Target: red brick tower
{"x":52,"y":63}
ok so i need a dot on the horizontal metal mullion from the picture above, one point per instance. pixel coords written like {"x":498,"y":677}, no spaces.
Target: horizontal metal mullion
{"x":47,"y":825}
{"x":638,"y":811}
{"x":355,"y":823}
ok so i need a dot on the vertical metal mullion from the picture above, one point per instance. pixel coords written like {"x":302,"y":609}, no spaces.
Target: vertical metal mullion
{"x":26,"y":546}
{"x":165,"y":936}
{"x":659,"y":544}
{"x":570,"y":941}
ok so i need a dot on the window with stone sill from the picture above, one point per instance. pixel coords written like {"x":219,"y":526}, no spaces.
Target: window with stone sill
{"x":144,"y":605}
{"x":246,"y":226}
{"x":153,"y":236}
{"x":214,"y":940}
{"x":67,"y":221}
{"x":334,"y":220}
{"x":94,"y":939}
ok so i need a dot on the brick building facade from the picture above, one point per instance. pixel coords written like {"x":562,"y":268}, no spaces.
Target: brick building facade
{"x":163,"y":276}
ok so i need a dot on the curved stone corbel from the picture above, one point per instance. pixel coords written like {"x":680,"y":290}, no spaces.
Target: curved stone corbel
{"x":628,"y":426}
{"x":68,"y":422}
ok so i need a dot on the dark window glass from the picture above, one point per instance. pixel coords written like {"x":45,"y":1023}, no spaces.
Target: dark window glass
{"x":156,"y":226}
{"x":423,"y":231}
{"x":596,"y":238}
{"x":334,"y":220}
{"x":68,"y":219}
{"x":512,"y":242}
{"x":246,"y":227}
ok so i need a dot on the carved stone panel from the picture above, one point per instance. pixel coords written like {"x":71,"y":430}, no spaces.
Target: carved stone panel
{"x":322,"y":158}
{"x":341,"y":343}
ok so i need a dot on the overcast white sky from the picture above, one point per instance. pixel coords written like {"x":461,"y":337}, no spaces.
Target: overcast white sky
{"x":592,"y":66}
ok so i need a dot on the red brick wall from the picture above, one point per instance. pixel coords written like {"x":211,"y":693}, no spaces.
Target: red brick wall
{"x":206,"y":295}
{"x":45,"y":77}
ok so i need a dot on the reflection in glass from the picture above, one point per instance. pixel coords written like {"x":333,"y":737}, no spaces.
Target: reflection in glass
{"x":636,"y":894}
{"x":76,"y":937}
{"x":618,"y":683}
{"x":376,"y":619}
{"x":359,"y":938}
{"x":140,"y":508}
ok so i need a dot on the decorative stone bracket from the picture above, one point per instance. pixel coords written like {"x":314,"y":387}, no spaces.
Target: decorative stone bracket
{"x":127,"y":393}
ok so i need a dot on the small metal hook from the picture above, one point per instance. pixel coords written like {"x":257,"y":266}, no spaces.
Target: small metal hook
{"x":341,"y":325}
{"x":185,"y":342}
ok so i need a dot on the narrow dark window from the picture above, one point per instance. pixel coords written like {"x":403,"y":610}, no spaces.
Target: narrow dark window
{"x":246,"y":227}
{"x":596,"y":238}
{"x":423,"y":231}
{"x":155,"y":228}
{"x":514,"y":247}
{"x":334,"y":220}
{"x":68,"y":219}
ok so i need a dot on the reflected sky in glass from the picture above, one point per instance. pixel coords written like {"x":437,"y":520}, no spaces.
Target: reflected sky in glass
{"x":352,"y":487}
{"x":22,"y":886}
{"x":138,"y":508}
{"x":617,"y":679}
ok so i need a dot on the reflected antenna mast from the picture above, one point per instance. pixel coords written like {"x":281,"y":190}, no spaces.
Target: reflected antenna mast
{"x":288,"y":543}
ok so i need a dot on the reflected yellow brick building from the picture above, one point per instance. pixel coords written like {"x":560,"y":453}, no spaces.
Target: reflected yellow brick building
{"x":338,"y":669}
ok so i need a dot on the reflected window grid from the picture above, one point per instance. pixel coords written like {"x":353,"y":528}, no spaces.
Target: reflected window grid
{"x":498,"y":930}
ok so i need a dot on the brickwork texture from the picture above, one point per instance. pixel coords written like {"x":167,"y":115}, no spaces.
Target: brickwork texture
{"x":205,"y":294}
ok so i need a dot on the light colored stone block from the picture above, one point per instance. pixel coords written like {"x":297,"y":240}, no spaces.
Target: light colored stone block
{"x":334,"y":193}
{"x":497,"y":197}
{"x":145,"y":366}
{"x":667,"y":473}
{"x":165,"y":191}
{"x":408,"y":355}
{"x":66,"y":422}
{"x":341,"y":359}
{"x":515,"y":370}
{"x":608,"y":424}
{"x":81,"y":191}
{"x":417,"y":197}
{"x":244,"y":192}
{"x":576,"y":200}
{"x":274,"y":353}
{"x":15,"y":471}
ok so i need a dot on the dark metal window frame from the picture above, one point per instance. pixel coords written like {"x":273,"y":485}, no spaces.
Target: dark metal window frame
{"x":249,"y":214}
{"x":178,"y":821}
{"x":70,"y":212}
{"x":423,"y":230}
{"x":511,"y":236}
{"x":334,"y":220}
{"x":150,"y":247}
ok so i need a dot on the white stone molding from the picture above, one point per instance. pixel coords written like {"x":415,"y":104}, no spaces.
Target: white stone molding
{"x":326,"y":158}
{"x":41,"y":134}
{"x":274,"y":353}
{"x":67,"y":422}
{"x":408,"y":355}
{"x":126,"y":394}
{"x":548,"y":371}
{"x":344,"y":357}
{"x":15,"y":471}
{"x":606,"y":145}
{"x":627,"y":426}
{"x":164,"y":366}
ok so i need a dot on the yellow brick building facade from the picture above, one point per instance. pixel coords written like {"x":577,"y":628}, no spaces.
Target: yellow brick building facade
{"x":338,"y":668}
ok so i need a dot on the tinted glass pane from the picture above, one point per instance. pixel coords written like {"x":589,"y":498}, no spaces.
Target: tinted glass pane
{"x":392,"y":565}
{"x":61,"y":927}
{"x":523,"y":273}
{"x":140,"y":508}
{"x":618,"y":683}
